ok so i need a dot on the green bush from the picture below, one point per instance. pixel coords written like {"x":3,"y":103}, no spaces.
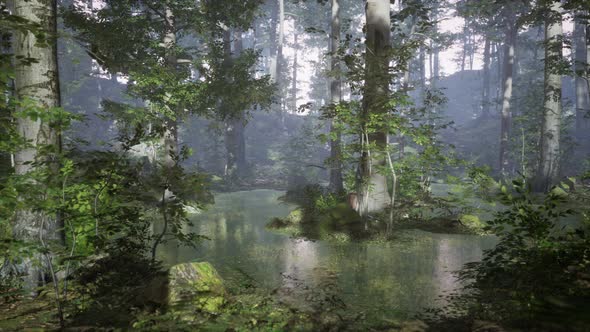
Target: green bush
{"x":538,"y":271}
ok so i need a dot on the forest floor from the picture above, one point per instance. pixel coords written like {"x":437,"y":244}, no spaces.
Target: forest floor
{"x":28,"y":315}
{"x":246,"y":309}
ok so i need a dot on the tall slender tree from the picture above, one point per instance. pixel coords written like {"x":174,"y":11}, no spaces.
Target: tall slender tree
{"x":170,"y":137}
{"x":580,"y":67}
{"x":548,"y":171}
{"x":507,"y":82}
{"x":485,"y":94}
{"x":336,"y":183}
{"x":295,"y":68}
{"x":373,"y":191}
{"x":235,"y":141}
{"x":37,"y":81}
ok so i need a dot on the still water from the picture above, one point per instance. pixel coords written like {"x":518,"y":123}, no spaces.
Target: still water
{"x":382,"y":280}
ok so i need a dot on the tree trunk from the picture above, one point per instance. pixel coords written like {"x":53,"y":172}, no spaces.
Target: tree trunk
{"x":507,"y":79}
{"x":550,"y":135}
{"x":295,"y":68}
{"x":485,"y":96}
{"x":336,"y":182}
{"x":435,"y":48}
{"x":235,"y":142}
{"x":39,"y":82}
{"x":280,"y":61}
{"x":405,"y":86}
{"x":373,"y":191}
{"x":499,"y":82}
{"x":465,"y":38}
{"x":273,"y":42}
{"x":241,"y":164}
{"x":582,"y":93}
{"x":170,"y":139}
{"x":472,"y":50}
{"x":422,"y":72}
{"x":6,"y":159}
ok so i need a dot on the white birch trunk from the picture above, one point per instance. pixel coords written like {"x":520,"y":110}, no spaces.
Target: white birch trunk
{"x":373,"y":191}
{"x":38,"y":82}
{"x":550,"y":135}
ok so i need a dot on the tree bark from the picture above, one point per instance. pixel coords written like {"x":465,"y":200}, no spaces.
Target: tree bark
{"x":581,"y":65}
{"x":465,"y":38}
{"x":280,"y":62}
{"x":170,"y":139}
{"x":435,"y":47}
{"x":39,"y":82}
{"x":485,"y":96}
{"x":373,"y":191}
{"x":336,"y":182}
{"x":507,"y":79}
{"x":295,"y":68}
{"x":499,"y":82}
{"x":6,"y":159}
{"x":273,"y":42}
{"x":548,"y":171}
{"x":235,"y":142}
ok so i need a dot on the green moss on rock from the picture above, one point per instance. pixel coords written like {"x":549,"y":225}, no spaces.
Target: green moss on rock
{"x":196,"y":286}
{"x":472,"y":222}
{"x":295,"y":217}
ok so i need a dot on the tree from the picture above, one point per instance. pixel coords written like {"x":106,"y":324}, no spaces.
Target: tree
{"x":485,"y":97}
{"x":507,"y":82}
{"x":373,"y":192}
{"x":548,"y":170}
{"x":277,"y":59}
{"x":37,"y":89}
{"x":235,"y":143}
{"x":336,"y":183}
{"x":170,"y":137}
{"x":581,"y":67}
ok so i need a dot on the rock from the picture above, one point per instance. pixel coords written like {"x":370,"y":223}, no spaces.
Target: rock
{"x":154,"y":294}
{"x":413,"y":326}
{"x":484,"y":326}
{"x":295,"y":217}
{"x":191,"y":210}
{"x":195,"y":286}
{"x":330,"y":321}
{"x":471,"y":221}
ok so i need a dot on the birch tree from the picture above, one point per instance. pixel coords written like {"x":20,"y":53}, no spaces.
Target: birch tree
{"x":336,"y":183}
{"x":37,"y":81}
{"x":548,"y":170}
{"x":373,"y":191}
{"x":580,"y":67}
{"x":507,"y":80}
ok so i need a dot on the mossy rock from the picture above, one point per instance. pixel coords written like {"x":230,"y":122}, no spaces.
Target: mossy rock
{"x":472,"y":221}
{"x":195,"y":286}
{"x":342,"y":214}
{"x":295,"y":217}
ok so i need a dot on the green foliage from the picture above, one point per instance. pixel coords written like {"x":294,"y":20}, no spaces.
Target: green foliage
{"x":128,"y":37}
{"x":109,"y":288}
{"x":538,"y":271}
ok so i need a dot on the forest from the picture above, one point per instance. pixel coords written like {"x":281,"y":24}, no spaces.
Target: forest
{"x":295,"y":165}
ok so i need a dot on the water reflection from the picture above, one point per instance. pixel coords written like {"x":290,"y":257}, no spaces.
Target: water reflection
{"x":393,"y":280}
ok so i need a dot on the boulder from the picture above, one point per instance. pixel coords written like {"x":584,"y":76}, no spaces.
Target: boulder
{"x":485,"y":326}
{"x":195,"y":287}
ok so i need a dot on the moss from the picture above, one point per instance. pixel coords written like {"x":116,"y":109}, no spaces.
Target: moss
{"x":295,"y":217}
{"x":293,"y":220}
{"x":29,"y":315}
{"x":196,"y":286}
{"x":472,"y":221}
